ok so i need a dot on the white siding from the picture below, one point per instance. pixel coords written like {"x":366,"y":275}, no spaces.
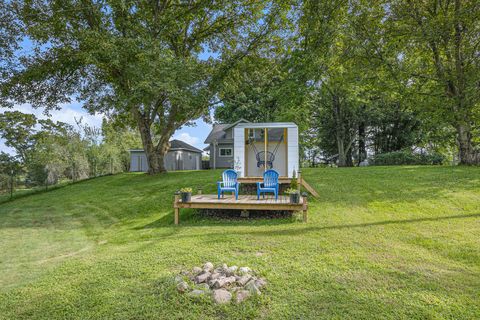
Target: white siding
{"x":239,"y":150}
{"x":292,"y":151}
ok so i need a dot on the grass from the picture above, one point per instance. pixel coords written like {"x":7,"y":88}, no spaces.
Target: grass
{"x":381,"y":243}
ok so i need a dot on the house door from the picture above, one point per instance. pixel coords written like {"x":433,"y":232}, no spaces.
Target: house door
{"x":139,"y":163}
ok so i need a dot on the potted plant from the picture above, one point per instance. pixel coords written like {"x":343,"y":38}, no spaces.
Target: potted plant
{"x":186,"y":194}
{"x":294,"y":195}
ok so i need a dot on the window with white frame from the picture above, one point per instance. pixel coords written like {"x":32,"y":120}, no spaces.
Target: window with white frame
{"x":225,"y":152}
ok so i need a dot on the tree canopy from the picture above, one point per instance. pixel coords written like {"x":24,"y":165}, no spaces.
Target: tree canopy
{"x":357,"y":76}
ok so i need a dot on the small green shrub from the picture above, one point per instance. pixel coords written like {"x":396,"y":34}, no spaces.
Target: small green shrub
{"x":406,"y":158}
{"x":294,"y":182}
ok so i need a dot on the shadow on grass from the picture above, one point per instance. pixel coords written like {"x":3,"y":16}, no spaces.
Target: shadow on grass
{"x":191,"y":218}
{"x":301,"y":231}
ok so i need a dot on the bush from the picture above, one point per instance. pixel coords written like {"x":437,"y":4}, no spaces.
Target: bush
{"x":406,"y":158}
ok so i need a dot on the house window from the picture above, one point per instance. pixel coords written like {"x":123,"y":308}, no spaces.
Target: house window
{"x":225,"y":152}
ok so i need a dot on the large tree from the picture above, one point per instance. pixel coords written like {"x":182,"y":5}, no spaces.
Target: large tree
{"x":440,"y":40}
{"x":156,"y":64}
{"x":18,"y":131}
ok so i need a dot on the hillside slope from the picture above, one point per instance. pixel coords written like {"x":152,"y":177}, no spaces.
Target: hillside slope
{"x":386,"y":242}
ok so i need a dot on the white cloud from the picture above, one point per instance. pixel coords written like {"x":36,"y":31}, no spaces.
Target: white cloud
{"x":66,"y":114}
{"x":186,"y":137}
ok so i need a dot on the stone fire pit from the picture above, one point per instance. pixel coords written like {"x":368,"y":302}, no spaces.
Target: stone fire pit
{"x":222,"y":283}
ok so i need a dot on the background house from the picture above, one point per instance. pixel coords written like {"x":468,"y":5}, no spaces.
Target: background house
{"x":220,"y":144}
{"x":180,"y":156}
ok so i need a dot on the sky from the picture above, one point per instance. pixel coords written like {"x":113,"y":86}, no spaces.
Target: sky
{"x":69,"y":112}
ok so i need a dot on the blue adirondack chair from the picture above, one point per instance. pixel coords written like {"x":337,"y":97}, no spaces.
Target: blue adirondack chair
{"x":229,"y":183}
{"x":269,"y":184}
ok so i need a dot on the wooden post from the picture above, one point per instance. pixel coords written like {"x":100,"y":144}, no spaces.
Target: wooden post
{"x":285,"y":137}
{"x":245,"y":151}
{"x":305,"y":207}
{"x":176,"y":209}
{"x":299,"y":180}
{"x":265,"y":148}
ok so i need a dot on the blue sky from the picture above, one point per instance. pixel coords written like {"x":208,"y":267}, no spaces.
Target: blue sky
{"x":69,"y":112}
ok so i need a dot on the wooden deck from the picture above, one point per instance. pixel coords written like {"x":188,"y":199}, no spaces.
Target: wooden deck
{"x":244,"y":202}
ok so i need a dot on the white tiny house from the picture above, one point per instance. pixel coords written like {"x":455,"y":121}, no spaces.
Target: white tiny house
{"x":258,"y":147}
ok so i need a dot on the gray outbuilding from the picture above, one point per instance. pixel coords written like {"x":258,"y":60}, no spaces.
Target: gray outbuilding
{"x":180,"y":156}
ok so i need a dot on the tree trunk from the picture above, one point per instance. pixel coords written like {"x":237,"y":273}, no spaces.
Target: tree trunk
{"x":339,"y":131}
{"x":362,"y":149}
{"x":154,"y":155}
{"x":464,"y":139}
{"x":349,"y":158}
{"x":342,"y":157}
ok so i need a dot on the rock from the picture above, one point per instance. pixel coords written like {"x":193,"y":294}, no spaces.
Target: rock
{"x":222,"y":296}
{"x":196,"y":270}
{"x":211,"y":283}
{"x":202,"y":277}
{"x":224,"y":281}
{"x":224,"y":267}
{"x":203,"y":286}
{"x":260,"y":283}
{"x":208,"y":266}
{"x":244,"y":279}
{"x":244,"y":270}
{"x":182,"y":287}
{"x":244,"y":214}
{"x":196,"y":293}
{"x":250,"y":286}
{"x":231,"y":270}
{"x":242,"y":295}
{"x":178,"y":279}
{"x":215,"y":275}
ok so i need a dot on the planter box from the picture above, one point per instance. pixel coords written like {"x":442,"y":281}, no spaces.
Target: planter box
{"x":186,"y":196}
{"x":294,"y":197}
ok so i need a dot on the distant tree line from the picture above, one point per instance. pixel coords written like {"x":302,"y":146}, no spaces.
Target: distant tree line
{"x":360,"y":77}
{"x":47,"y":152}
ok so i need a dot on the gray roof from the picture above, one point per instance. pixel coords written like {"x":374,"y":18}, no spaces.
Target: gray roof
{"x":218,"y":131}
{"x":175,"y":145}
{"x":180,"y":145}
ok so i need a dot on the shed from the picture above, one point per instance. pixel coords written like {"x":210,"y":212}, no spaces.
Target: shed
{"x":180,"y":156}
{"x":261,"y":146}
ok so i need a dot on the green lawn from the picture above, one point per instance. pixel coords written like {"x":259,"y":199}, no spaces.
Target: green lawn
{"x":381,"y":242}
